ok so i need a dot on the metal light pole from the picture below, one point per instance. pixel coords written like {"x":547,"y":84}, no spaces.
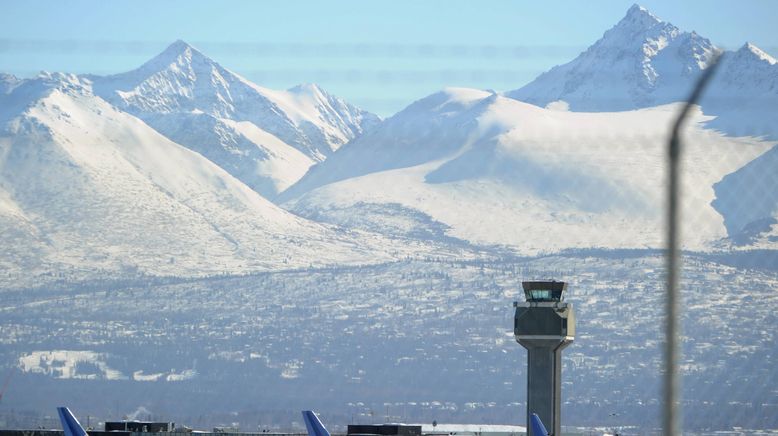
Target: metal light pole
{"x":671,"y":420}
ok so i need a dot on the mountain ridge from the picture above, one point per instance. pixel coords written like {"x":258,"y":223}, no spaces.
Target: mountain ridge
{"x":193,"y":100}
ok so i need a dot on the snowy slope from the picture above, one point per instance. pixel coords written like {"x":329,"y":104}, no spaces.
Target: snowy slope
{"x":266,"y":138}
{"x":429,"y":129}
{"x":748,"y":201}
{"x":86,"y":187}
{"x":493,"y":170}
{"x":256,"y":157}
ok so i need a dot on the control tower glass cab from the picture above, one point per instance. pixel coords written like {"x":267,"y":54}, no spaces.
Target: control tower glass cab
{"x":544,"y":324}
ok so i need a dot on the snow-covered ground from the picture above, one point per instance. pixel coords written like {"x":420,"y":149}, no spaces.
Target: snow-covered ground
{"x":414,"y":341}
{"x":64,"y":364}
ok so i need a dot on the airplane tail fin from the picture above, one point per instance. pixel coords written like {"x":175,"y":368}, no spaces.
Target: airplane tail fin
{"x":70,"y":424}
{"x":538,"y":429}
{"x":312,"y":423}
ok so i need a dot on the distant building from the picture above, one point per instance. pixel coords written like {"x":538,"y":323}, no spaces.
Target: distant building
{"x":140,"y":426}
{"x":473,"y":430}
{"x":385,"y":430}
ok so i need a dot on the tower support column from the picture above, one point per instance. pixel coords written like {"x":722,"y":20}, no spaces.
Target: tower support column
{"x":544,"y":380}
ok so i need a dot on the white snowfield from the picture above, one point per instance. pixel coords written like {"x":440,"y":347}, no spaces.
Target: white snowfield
{"x":89,"y":365}
{"x":64,"y":364}
{"x":497,"y":171}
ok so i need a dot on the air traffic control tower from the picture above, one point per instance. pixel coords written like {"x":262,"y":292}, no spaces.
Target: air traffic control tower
{"x":544,"y":324}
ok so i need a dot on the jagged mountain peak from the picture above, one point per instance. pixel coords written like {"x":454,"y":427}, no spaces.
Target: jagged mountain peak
{"x":180,"y":46}
{"x":638,"y":16}
{"x":176,"y":53}
{"x":179,"y":65}
{"x":751,"y":50}
{"x":640,"y":62}
{"x":639,"y":27}
{"x":266,"y":138}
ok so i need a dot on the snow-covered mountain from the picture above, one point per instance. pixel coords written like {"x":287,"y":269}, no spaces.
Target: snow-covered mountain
{"x":643,"y":62}
{"x":488,"y":169}
{"x":266,"y":138}
{"x":85,"y":187}
{"x":480,"y":167}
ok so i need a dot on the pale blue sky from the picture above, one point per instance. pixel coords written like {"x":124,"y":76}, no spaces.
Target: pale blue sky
{"x":380,"y":55}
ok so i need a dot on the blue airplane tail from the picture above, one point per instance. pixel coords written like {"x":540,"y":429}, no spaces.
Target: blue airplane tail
{"x":312,"y":423}
{"x":538,"y":429}
{"x":70,"y":424}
